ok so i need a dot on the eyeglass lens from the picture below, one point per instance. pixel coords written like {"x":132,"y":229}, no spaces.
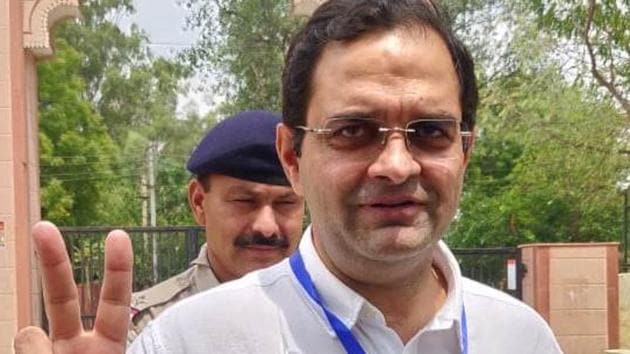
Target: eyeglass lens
{"x":422,"y":135}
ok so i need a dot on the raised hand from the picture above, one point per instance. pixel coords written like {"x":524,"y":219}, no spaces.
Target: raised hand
{"x":62,"y":302}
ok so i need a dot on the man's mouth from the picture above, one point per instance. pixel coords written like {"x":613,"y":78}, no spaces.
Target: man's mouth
{"x":263,"y":248}
{"x":261,"y":242}
{"x":393,"y":205}
{"x":392,"y":201}
{"x":395,"y":208}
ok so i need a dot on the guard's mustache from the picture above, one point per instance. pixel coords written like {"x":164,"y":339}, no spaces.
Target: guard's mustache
{"x":259,"y":239}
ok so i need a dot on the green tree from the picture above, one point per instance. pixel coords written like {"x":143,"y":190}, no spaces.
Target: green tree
{"x":103,"y":44}
{"x":546,"y":161}
{"x":74,"y":143}
{"x":241,"y":46}
{"x":600,"y":30}
{"x":172,"y":181}
{"x":133,"y":97}
{"x":545,"y":167}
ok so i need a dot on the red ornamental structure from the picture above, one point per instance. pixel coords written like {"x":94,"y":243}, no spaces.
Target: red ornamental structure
{"x":25,"y":27}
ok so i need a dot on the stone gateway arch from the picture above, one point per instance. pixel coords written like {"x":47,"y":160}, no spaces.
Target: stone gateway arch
{"x":25,"y":27}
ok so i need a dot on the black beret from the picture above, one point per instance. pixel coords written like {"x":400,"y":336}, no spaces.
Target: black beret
{"x":242,"y":146}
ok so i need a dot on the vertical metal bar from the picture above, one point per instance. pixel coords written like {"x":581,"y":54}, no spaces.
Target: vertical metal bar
{"x":520,"y":274}
{"x":152,"y":209}
{"x":199,"y":233}
{"x":154,"y":256}
{"x":190,"y":245}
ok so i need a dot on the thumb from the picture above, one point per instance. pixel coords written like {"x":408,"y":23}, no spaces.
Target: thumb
{"x":32,"y":340}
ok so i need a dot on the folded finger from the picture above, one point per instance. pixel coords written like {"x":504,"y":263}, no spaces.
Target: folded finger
{"x":32,"y":340}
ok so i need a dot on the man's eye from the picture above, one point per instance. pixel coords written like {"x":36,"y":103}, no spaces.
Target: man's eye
{"x":285,"y":203}
{"x":430,"y":131}
{"x":352,"y":133}
{"x":243,"y":200}
{"x":351,"y":130}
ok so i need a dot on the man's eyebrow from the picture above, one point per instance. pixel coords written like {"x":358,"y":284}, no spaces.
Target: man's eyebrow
{"x":288,"y":195}
{"x":240,"y":190}
{"x":354,"y":115}
{"x":435,"y":115}
{"x":420,"y":115}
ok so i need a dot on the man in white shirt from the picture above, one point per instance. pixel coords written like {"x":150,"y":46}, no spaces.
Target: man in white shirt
{"x":378,"y":123}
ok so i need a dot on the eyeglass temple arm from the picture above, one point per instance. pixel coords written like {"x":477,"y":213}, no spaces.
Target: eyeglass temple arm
{"x":313,"y":130}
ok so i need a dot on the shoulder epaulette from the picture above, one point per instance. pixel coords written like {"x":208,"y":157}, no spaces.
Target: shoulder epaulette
{"x":161,"y":292}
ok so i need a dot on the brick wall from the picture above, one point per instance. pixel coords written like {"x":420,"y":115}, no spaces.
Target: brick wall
{"x":575,"y":288}
{"x":8,"y":305}
{"x":624,"y":311}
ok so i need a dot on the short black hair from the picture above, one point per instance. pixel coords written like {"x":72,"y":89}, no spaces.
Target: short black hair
{"x":346,"y":20}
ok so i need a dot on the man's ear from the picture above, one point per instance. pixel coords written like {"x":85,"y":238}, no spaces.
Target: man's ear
{"x":288,"y":157}
{"x":196,"y":196}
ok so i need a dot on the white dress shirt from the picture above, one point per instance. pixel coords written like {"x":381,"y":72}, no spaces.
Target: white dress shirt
{"x":269,"y":312}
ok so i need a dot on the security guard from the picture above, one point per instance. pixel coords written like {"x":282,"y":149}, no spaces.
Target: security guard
{"x":243,"y":199}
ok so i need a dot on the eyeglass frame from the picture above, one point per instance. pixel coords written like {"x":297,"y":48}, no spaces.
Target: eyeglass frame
{"x":385,"y":131}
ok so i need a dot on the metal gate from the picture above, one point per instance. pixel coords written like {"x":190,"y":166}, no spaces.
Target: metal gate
{"x":161,"y":252}
{"x":499,"y":267}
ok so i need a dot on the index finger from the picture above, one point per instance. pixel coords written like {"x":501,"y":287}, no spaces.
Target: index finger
{"x":60,"y":293}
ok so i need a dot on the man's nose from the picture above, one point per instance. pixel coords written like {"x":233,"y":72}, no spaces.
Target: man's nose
{"x":395,"y":162}
{"x":265,"y":222}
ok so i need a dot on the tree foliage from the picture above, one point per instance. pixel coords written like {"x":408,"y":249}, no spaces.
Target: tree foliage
{"x":546,"y":163}
{"x":104,"y":100}
{"x":103,"y":44}
{"x":74,"y":143}
{"x":242,"y":45}
{"x":544,"y":168}
{"x":600,"y":30}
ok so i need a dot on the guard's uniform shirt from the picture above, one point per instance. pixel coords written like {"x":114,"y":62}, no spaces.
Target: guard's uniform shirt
{"x":147,"y":304}
{"x":268,"y":311}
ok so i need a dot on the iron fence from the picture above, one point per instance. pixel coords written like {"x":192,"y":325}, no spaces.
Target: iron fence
{"x":489,"y":266}
{"x":161,"y":252}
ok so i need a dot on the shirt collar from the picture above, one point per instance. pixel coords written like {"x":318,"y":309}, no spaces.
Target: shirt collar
{"x":350,"y":307}
{"x":451,"y":310}
{"x":344,"y":302}
{"x":202,"y":258}
{"x":202,"y":276}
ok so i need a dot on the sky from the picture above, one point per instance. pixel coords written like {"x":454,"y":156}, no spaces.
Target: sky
{"x":163,"y":21}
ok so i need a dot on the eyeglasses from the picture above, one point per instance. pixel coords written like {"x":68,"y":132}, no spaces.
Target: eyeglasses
{"x":432,"y":135}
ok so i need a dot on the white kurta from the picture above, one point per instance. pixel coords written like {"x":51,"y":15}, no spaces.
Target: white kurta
{"x":268,"y":312}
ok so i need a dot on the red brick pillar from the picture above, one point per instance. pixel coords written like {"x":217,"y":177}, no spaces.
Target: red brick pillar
{"x":574,"y":286}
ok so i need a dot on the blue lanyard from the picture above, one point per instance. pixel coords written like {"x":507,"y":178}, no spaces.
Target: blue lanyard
{"x":344,"y":334}
{"x":463,"y":330}
{"x":349,"y":342}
